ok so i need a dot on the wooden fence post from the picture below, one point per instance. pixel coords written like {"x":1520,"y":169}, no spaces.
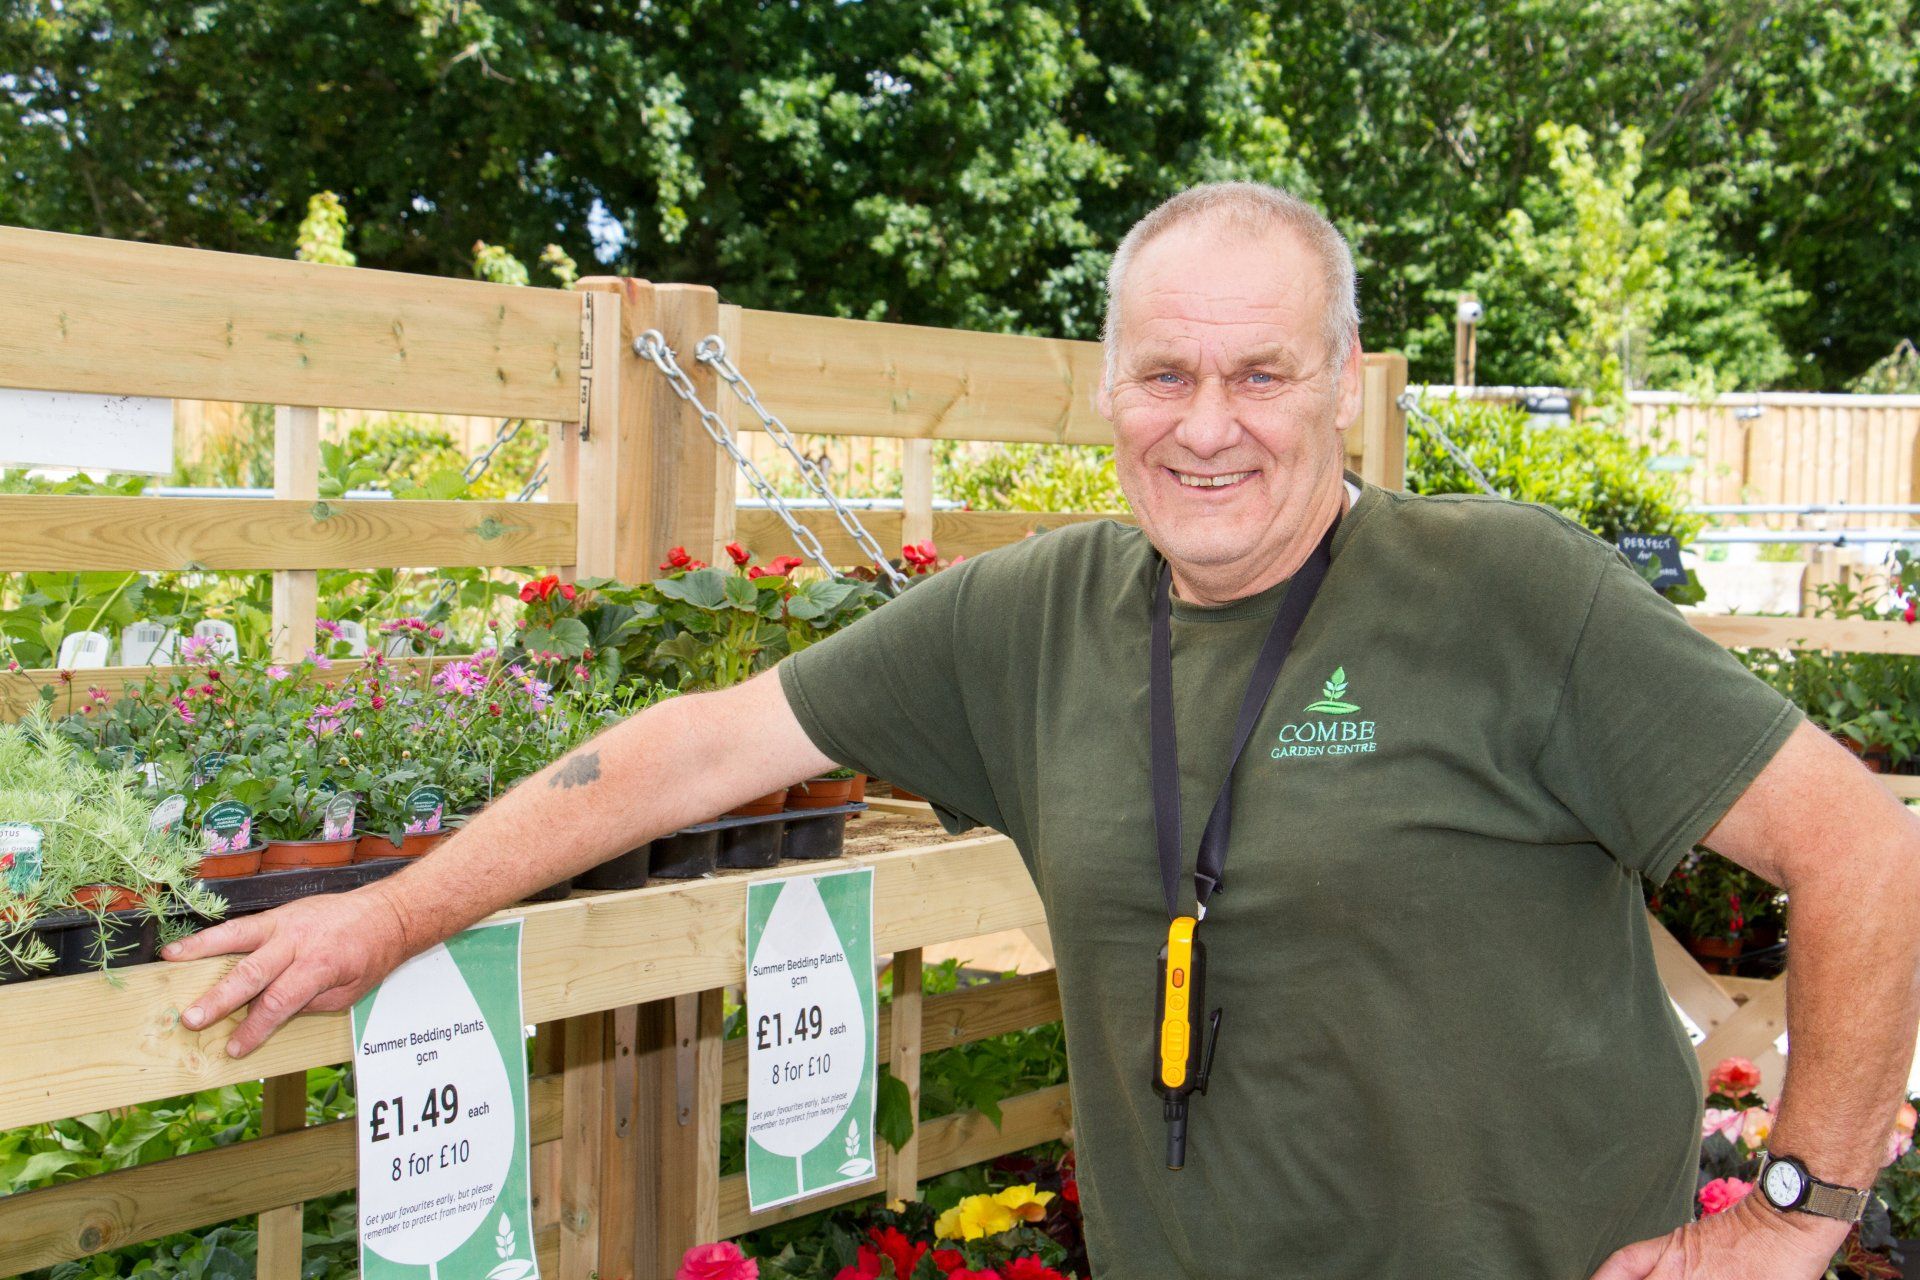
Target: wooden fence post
{"x":647,"y":470}
{"x":903,"y":1166}
{"x":916,"y":491}
{"x":1383,"y":424}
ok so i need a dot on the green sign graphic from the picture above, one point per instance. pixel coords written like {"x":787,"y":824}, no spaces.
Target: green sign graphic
{"x":811,"y":1053}
{"x":440,"y":1069}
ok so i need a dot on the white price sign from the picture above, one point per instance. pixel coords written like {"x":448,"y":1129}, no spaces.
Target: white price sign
{"x":811,"y":1013}
{"x":440,"y":1074}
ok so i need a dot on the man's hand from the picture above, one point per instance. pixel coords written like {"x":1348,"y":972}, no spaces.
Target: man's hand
{"x":320,"y":953}
{"x":1751,"y":1241}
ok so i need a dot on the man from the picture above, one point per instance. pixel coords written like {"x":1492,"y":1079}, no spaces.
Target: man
{"x":1444,"y":1049}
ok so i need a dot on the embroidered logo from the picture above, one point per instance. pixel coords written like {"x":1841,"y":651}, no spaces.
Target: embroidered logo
{"x":1334,"y":737}
{"x":1331,"y":694}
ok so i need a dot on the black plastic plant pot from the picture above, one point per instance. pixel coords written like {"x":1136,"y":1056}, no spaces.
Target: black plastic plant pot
{"x":81,"y":942}
{"x":558,"y":892}
{"x":755,"y":843}
{"x":812,"y":839}
{"x":686,"y":855}
{"x":628,"y":871}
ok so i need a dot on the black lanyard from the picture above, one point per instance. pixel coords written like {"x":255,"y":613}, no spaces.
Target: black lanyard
{"x":1211,"y":863}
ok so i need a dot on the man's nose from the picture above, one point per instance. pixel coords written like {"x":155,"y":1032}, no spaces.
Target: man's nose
{"x":1209,"y":424}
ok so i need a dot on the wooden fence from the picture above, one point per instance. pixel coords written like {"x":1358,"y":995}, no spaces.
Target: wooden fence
{"x":1776,"y":447}
{"x":631,"y":1069}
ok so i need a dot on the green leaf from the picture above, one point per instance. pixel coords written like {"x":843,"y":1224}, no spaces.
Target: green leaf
{"x":703,"y":588}
{"x":893,"y":1112}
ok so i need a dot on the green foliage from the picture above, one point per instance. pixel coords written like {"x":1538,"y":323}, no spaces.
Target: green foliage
{"x":323,"y":232}
{"x":1896,"y":374}
{"x":971,"y":163}
{"x":1588,"y":472}
{"x":1606,"y":282}
{"x":1899,"y":1188}
{"x":1029,"y":477}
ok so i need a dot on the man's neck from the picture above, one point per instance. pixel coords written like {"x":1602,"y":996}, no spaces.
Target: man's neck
{"x":1237,"y":582}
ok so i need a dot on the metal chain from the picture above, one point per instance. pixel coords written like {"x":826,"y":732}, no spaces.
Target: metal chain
{"x":713,"y":352}
{"x":509,"y":428}
{"x":651,"y":346}
{"x":1409,"y":404}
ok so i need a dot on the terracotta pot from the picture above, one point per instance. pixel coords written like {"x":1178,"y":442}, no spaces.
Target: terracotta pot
{"x":1716,"y":955}
{"x":859,"y":788}
{"x":281,"y":854}
{"x":370,"y":847}
{"x":820,"y":793}
{"x":770,"y":803}
{"x":230,"y":866}
{"x":107,"y":897}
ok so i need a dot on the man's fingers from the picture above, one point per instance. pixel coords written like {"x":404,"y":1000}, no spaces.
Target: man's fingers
{"x":245,"y":934}
{"x":1635,"y":1262}
{"x":244,"y":981}
{"x":288,"y":995}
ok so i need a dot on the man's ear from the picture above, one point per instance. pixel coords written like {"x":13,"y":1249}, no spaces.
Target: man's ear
{"x":1103,"y":398}
{"x":1349,"y":383}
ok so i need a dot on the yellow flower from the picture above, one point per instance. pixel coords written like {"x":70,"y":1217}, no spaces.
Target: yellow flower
{"x":1024,"y":1202}
{"x":974,"y":1217}
{"x":896,"y":1206}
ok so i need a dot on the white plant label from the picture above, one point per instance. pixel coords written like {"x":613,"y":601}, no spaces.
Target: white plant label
{"x":440,"y":1071}
{"x":811,"y":1057}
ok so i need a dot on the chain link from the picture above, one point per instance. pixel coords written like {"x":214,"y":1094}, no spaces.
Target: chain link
{"x":1409,"y":404}
{"x":651,"y":346}
{"x":713,"y":352}
{"x":509,"y":428}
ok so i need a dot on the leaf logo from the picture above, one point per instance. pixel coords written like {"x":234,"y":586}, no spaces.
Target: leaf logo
{"x":510,"y":1267}
{"x":1332,"y":696}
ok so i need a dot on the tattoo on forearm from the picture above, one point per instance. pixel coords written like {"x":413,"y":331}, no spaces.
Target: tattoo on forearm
{"x":577,"y":772}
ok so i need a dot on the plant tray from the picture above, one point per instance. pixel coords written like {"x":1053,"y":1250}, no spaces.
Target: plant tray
{"x":727,"y":843}
{"x":79,"y":939}
{"x":250,"y":895}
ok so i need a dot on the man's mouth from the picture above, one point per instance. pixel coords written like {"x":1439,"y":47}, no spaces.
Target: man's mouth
{"x":1194,"y":480}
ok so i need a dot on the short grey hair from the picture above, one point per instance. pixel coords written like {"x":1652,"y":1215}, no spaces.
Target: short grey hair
{"x":1250,"y":208}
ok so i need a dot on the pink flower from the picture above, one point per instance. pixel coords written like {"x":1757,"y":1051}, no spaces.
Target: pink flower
{"x":722,"y":1261}
{"x":1722,"y":1194}
{"x":186,"y":712}
{"x":325,"y":627}
{"x":1733,"y":1076}
{"x":1756,"y":1125}
{"x":1725,"y":1121}
{"x":196,"y":649}
{"x":461,"y":677}
{"x":319,"y":660}
{"x":1900,"y":1141}
{"x":277,"y":673}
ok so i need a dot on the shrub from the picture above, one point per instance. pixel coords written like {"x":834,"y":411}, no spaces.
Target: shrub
{"x":1588,"y":473}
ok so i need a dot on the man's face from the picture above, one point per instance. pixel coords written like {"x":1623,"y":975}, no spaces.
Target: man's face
{"x":1227,"y":416}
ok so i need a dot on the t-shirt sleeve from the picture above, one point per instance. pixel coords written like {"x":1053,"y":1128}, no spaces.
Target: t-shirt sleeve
{"x":1658,"y":729}
{"x":886,"y":696}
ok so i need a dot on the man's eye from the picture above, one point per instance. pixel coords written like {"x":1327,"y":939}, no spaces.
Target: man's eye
{"x":1261,"y":379}
{"x":1166,"y":379}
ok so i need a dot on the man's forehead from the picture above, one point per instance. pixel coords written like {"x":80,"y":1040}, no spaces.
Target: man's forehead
{"x":1223,"y":288}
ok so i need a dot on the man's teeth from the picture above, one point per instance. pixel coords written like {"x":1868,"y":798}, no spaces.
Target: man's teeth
{"x":1209,"y":482}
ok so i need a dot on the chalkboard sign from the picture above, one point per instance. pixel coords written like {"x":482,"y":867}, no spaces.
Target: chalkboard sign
{"x":1648,"y":550}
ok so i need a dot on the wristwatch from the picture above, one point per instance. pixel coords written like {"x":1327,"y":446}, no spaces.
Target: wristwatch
{"x":1786,"y":1184}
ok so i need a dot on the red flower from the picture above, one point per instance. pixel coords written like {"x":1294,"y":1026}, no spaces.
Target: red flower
{"x":921,"y":555}
{"x":1029,"y":1269}
{"x":493,"y":708}
{"x":784,"y":565}
{"x":1733,"y":1077}
{"x":1908,"y":615}
{"x":1070,"y":1191}
{"x":568,"y":591}
{"x":893,"y":1244}
{"x":738,"y":553}
{"x":867,"y":1266}
{"x":758,"y":572}
{"x":528,"y":593}
{"x":949,"y":1260}
{"x":677,"y":558}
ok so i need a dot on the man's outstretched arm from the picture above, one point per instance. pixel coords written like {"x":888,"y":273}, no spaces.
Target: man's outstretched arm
{"x":678,"y":762}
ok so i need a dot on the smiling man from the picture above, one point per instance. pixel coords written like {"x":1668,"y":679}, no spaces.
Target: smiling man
{"x":1435,"y":747}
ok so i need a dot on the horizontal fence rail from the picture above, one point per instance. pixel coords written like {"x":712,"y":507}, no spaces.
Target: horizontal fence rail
{"x":66,"y":533}
{"x":98,"y":1045}
{"x":114,"y":317}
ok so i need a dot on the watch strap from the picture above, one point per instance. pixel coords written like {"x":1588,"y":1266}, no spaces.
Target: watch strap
{"x":1830,"y":1201}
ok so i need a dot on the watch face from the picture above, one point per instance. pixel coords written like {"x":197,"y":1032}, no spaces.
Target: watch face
{"x":1783,"y":1183}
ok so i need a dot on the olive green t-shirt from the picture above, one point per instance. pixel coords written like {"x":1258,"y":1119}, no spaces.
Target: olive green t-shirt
{"x":1445,"y":1049}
